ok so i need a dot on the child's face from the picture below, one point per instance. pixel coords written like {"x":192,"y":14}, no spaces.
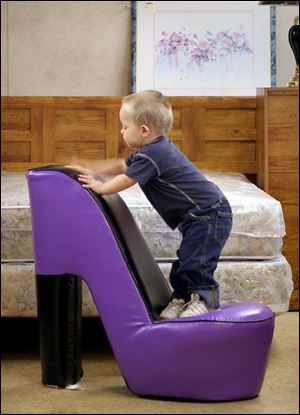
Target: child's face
{"x":132,"y":134}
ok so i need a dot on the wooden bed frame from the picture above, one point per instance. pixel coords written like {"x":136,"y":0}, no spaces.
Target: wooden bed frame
{"x":216,"y":133}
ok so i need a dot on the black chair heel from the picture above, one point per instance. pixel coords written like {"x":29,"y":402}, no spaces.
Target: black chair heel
{"x":59,"y":303}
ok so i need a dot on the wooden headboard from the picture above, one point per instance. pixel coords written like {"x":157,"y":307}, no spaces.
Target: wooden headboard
{"x":216,"y":133}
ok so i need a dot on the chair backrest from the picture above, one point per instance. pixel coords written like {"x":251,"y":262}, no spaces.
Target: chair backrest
{"x":143,"y":268}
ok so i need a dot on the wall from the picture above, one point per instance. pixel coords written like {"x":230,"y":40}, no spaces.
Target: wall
{"x":65,"y":48}
{"x":83,"y":47}
{"x":285,"y":58}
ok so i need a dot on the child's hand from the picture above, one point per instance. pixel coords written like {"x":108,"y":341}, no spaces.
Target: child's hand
{"x":90,"y":182}
{"x":80,"y":169}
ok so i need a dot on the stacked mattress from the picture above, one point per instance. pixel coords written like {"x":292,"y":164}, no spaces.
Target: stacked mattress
{"x":251,"y":268}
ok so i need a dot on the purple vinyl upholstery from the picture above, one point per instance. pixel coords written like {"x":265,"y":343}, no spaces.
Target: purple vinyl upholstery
{"x":219,"y":356}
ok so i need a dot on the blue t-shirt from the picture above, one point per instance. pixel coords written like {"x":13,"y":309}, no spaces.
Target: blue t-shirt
{"x":172,"y":184}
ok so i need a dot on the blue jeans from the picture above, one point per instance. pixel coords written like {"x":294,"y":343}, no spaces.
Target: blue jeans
{"x":204,"y":234}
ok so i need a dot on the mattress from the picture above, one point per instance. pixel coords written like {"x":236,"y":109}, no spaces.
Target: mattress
{"x":258,"y":223}
{"x":268,"y":282}
{"x":251,"y":266}
{"x":257,"y":233}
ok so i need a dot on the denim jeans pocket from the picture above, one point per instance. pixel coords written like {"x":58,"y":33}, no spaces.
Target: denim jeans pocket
{"x":198,"y":215}
{"x":223,"y":226}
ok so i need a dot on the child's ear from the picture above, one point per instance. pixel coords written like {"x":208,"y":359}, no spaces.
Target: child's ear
{"x":145,"y":130}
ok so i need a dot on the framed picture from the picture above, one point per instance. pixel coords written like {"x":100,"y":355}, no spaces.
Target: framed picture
{"x":202,"y":47}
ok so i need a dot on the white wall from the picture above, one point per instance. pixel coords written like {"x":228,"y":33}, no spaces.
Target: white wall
{"x":4,"y":55}
{"x":83,"y":47}
{"x":285,"y":58}
{"x":65,"y":48}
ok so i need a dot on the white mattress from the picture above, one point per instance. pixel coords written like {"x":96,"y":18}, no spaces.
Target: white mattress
{"x":251,"y":267}
{"x":258,"y":223}
{"x":267,"y":282}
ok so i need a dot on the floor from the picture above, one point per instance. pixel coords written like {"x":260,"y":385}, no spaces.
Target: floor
{"x":103,"y":390}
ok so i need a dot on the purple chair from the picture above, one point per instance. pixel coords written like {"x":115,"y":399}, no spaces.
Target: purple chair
{"x":79,"y":235}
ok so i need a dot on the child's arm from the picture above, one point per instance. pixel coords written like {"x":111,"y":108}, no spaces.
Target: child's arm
{"x":116,"y":184}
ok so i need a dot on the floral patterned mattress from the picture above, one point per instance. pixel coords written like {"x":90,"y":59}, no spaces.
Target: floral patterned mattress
{"x":258,"y":223}
{"x":268,"y":282}
{"x":251,"y":267}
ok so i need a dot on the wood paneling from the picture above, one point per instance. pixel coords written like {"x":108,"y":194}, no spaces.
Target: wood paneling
{"x":282,"y":109}
{"x":12,"y":150}
{"x":79,"y":124}
{"x":214,"y":132}
{"x":231,"y":150}
{"x":16,"y":120}
{"x":85,"y":150}
{"x":278,"y":164}
{"x":231,"y":118}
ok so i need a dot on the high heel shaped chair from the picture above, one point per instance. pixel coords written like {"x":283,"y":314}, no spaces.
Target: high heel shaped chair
{"x":79,"y":235}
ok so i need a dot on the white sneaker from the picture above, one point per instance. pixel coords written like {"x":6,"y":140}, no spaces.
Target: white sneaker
{"x":195,"y":307}
{"x":173,"y":309}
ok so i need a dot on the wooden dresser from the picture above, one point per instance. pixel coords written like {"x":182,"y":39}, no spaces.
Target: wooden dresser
{"x":277,"y":123}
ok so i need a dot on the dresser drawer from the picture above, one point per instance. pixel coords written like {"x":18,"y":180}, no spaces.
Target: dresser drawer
{"x":283,"y":109}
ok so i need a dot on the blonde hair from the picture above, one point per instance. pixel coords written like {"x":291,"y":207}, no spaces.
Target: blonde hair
{"x":149,"y":107}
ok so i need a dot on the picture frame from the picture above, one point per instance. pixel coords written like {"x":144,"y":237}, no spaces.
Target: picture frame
{"x":201,"y":47}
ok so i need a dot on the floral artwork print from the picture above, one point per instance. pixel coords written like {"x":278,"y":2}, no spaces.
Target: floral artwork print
{"x":202,"y":50}
{"x":210,"y":58}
